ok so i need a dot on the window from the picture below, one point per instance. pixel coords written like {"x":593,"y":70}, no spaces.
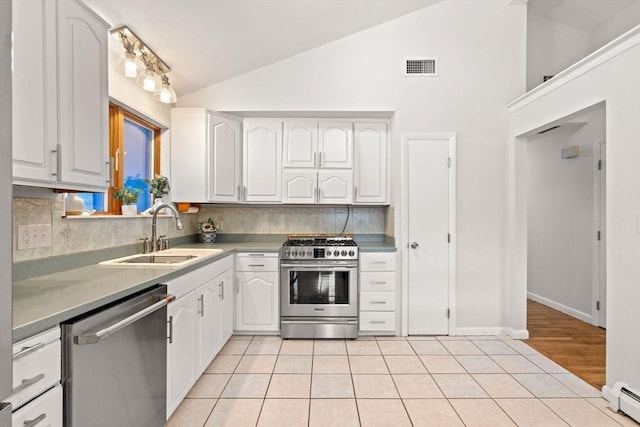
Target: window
{"x":134,"y":149}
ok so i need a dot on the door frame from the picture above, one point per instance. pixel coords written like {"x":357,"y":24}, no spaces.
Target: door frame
{"x":451,"y":139}
{"x":599,"y":260}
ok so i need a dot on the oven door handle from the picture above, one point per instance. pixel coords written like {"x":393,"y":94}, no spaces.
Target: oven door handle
{"x":319,"y":267}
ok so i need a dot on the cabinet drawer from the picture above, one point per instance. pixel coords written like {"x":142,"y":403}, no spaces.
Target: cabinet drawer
{"x":381,"y":281}
{"x":36,"y":366}
{"x":378,"y":261}
{"x":268,"y":262}
{"x":378,"y":321}
{"x":46,"y":408}
{"x":377,"y":301}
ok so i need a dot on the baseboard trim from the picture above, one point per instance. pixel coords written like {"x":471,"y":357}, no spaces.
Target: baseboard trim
{"x":519,"y":334}
{"x":560,"y":307}
{"x":496,"y":330}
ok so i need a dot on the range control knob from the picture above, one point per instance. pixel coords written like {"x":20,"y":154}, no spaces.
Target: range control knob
{"x":351,"y":253}
{"x":336,"y":253}
{"x":309,"y":253}
{"x":287,"y":253}
{"x":294,"y":253}
{"x":344,"y":253}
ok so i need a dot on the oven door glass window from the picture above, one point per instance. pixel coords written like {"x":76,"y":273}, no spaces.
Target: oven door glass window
{"x":318,"y":287}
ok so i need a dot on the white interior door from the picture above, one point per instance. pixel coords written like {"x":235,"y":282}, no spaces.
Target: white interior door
{"x":428,"y":184}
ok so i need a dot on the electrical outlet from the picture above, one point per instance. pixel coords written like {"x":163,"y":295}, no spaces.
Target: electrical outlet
{"x":34,"y":236}
{"x":219,"y":225}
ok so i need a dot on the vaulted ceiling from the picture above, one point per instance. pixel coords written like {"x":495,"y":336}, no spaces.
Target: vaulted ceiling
{"x":208,"y":41}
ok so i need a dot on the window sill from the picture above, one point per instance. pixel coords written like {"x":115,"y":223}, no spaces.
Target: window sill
{"x":103,"y":216}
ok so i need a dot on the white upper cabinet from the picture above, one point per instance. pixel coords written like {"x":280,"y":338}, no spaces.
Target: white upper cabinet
{"x":224,"y":180}
{"x":262,"y":161}
{"x":300,"y":146}
{"x":300,"y":186}
{"x":205,"y":156}
{"x":370,"y":169}
{"x":60,"y":96}
{"x":335,"y":186}
{"x":335,"y":145}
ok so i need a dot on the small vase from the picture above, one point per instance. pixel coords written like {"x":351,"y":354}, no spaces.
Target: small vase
{"x":129,"y":210}
{"x":208,"y":237}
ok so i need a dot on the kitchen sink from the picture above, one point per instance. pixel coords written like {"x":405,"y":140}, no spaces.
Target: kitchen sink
{"x":167,"y":258}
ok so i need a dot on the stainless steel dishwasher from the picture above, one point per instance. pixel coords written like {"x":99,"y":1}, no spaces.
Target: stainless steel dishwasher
{"x":115,"y":363}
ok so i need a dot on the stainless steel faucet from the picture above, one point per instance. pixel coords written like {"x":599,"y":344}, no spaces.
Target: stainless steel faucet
{"x":179,"y":226}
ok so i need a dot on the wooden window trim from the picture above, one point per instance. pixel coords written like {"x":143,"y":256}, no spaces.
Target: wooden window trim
{"x":117,"y":115}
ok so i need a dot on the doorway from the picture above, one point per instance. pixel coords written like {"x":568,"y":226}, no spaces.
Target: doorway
{"x":429,"y":225}
{"x":566,"y":237}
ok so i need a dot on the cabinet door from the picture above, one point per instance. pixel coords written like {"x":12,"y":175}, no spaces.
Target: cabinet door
{"x":299,"y":186}
{"x":188,"y":155}
{"x":226,"y":307}
{"x":207,"y":296}
{"x":335,"y":145}
{"x":181,"y":349}
{"x":83,"y":100}
{"x":262,"y":161}
{"x":370,"y":170}
{"x":257,"y":302}
{"x":33,"y":86}
{"x":224,"y":178}
{"x":335,"y":186}
{"x":300,"y":144}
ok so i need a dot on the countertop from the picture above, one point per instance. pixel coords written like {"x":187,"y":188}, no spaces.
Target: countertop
{"x":42,"y":302}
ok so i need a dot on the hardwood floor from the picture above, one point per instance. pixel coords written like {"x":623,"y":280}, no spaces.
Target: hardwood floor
{"x":575,"y":345}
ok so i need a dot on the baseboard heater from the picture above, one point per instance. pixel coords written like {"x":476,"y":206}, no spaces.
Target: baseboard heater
{"x":623,"y":398}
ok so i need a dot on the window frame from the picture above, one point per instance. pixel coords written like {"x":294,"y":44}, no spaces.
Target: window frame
{"x":117,"y":116}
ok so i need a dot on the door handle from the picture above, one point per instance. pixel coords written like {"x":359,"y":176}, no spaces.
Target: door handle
{"x":27,"y":382}
{"x":414,"y":245}
{"x":93,"y":338}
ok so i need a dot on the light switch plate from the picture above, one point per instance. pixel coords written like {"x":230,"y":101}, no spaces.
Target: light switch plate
{"x":34,"y":236}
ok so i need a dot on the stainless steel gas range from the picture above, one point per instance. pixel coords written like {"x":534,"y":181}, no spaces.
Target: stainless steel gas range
{"x":319,"y":287}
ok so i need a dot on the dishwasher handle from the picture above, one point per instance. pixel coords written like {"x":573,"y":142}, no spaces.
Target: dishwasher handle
{"x":103,"y":333}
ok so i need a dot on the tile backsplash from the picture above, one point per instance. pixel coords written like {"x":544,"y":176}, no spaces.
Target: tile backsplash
{"x":79,"y":234}
{"x":299,"y":219}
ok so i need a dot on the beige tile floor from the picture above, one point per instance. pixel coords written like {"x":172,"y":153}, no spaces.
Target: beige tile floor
{"x":389,"y":381}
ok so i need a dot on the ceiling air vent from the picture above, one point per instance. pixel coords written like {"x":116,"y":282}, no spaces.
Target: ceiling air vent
{"x":421,"y":67}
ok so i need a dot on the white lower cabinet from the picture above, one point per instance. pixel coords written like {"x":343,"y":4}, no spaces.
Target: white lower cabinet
{"x":45,"y":410}
{"x":377,"y":293}
{"x":37,"y":393}
{"x":257,"y":292}
{"x":200,"y":321}
{"x":181,"y":349}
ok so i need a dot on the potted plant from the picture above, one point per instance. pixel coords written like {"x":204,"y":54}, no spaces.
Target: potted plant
{"x":159,"y":186}
{"x":208,"y":231}
{"x":128,"y":197}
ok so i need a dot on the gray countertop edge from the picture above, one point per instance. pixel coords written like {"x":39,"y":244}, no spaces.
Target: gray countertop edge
{"x":155,"y":276}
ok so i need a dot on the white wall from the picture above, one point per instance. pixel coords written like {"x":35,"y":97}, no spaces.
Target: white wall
{"x":615,"y":26}
{"x":561,"y":216}
{"x":481,"y":51}
{"x":603,"y":77}
{"x":552,"y":47}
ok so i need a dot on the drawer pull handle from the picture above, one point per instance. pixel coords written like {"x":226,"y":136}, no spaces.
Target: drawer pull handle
{"x":381,"y":282}
{"x":256,"y":254}
{"x":28,"y":382}
{"x":378,"y":322}
{"x":256,"y":265}
{"x":378,"y":262}
{"x":33,"y":422}
{"x":26,"y":350}
{"x":378,"y":302}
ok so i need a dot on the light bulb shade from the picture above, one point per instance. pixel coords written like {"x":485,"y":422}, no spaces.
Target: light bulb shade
{"x":149,"y":80}
{"x":129,"y":65}
{"x":168,"y":95}
{"x":165,"y":92}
